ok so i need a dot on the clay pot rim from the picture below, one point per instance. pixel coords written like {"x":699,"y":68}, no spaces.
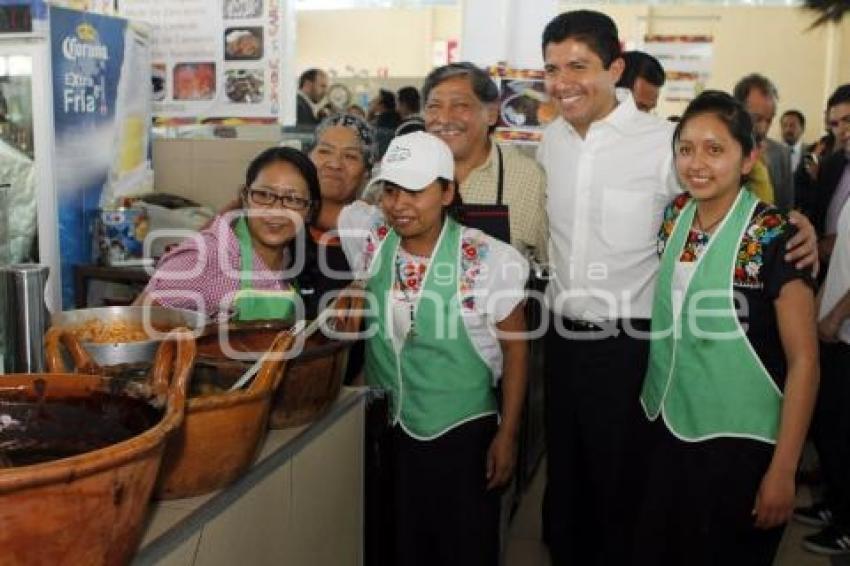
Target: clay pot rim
{"x":94,"y":461}
{"x":226,"y":399}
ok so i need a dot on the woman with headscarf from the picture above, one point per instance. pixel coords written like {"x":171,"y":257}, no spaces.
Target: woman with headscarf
{"x":343,"y":154}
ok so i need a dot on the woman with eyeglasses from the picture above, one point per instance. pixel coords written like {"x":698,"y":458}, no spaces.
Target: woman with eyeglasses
{"x":445,"y":324}
{"x":243,"y":265}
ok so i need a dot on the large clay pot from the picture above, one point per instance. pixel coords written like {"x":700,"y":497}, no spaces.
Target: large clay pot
{"x":222,"y":432}
{"x":314,"y":377}
{"x":88,"y":508}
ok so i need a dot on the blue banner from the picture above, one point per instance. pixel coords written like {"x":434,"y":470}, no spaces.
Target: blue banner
{"x":87,"y":54}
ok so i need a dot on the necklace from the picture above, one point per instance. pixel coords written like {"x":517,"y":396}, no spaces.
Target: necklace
{"x":407,"y":299}
{"x":706,"y":229}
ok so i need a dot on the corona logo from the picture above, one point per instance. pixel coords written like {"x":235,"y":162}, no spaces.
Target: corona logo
{"x":87,"y":33}
{"x":85,"y":45}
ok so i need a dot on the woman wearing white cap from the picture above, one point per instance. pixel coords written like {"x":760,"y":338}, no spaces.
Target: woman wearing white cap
{"x":446,"y":317}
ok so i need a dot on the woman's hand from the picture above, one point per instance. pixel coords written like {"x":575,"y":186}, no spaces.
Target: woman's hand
{"x":803,"y":247}
{"x":501,"y":459}
{"x":775,"y":499}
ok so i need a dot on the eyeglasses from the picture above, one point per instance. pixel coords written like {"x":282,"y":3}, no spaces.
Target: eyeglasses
{"x":268,"y":198}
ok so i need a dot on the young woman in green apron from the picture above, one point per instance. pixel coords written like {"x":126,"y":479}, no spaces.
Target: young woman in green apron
{"x":733,"y":360}
{"x":442,"y":300}
{"x":241,"y":267}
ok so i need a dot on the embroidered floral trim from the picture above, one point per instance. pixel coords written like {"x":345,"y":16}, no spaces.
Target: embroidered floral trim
{"x":766,"y":227}
{"x":474,"y":250}
{"x":411,"y":273}
{"x":767,"y":224}
{"x":376,"y":235}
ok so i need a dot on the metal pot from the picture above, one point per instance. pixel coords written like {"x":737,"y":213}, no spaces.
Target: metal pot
{"x":129,"y":352}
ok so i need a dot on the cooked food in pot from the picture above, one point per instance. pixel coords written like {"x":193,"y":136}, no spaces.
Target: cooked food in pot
{"x":113,"y":332}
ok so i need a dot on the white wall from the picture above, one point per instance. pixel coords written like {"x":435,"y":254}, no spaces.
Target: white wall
{"x":805,"y":65}
{"x":398,"y":40}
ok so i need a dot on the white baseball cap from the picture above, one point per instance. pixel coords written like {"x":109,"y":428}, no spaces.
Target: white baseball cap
{"x":414,"y":161}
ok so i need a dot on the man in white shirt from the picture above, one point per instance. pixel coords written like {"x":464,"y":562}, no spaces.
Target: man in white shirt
{"x":831,"y":424}
{"x":610,"y":175}
{"x":831,"y":427}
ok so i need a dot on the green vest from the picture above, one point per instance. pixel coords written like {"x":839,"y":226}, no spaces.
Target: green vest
{"x":255,"y":304}
{"x":704,"y":377}
{"x":437,"y":379}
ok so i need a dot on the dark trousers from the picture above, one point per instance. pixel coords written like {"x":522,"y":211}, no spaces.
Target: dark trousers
{"x":831,"y":429}
{"x":595,"y":430}
{"x":443,"y":513}
{"x":698,"y":505}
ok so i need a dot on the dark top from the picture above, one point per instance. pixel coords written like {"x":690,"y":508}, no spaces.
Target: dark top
{"x":389,"y":120}
{"x":331,"y":272}
{"x":814,"y":197}
{"x":760,"y":273}
{"x":304,"y":113}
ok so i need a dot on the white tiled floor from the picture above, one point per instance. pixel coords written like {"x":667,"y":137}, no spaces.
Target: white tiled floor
{"x":524,"y":547}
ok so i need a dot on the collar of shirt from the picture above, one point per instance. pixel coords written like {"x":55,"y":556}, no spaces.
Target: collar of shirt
{"x":223,"y":231}
{"x":486,"y":168}
{"x":621,"y":118}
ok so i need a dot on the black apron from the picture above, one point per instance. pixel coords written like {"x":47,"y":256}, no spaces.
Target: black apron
{"x":492,"y":219}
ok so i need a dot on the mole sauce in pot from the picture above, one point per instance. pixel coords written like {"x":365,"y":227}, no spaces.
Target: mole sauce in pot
{"x":35,"y":428}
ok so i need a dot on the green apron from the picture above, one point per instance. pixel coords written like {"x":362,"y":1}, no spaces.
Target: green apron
{"x":704,"y":376}
{"x":437,"y":379}
{"x":256,"y":304}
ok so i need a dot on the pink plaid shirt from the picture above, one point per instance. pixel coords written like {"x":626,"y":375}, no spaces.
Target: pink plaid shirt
{"x":203,"y":273}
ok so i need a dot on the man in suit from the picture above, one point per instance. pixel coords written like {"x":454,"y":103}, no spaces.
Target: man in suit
{"x":759,"y":95}
{"x":382,"y":114}
{"x":831,"y":188}
{"x":312,"y":86}
{"x":793,"y":125}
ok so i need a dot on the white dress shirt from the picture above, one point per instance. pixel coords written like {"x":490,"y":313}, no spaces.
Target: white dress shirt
{"x":837,"y":282}
{"x":605,"y":200}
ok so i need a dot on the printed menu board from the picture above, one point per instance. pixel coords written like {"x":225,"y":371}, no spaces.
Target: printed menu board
{"x":687,"y":62}
{"x":524,"y":107}
{"x":213,"y":59}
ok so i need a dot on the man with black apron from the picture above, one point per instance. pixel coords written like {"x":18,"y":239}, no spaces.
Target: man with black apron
{"x":501,"y":188}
